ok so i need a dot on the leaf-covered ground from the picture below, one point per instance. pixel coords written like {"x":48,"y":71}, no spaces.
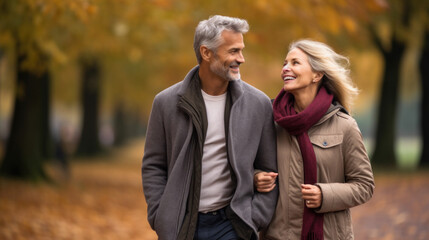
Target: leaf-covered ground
{"x":103,"y":199}
{"x":399,"y":208}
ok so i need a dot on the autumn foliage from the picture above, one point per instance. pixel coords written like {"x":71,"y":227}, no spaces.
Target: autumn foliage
{"x":143,"y":46}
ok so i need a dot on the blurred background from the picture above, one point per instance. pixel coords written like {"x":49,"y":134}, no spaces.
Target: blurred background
{"x":77,"y":80}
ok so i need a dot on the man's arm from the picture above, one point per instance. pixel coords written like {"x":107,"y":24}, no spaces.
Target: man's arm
{"x":264,"y":204}
{"x":154,"y":165}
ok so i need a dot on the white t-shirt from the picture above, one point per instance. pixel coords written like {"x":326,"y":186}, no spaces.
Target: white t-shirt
{"x":216,"y":184}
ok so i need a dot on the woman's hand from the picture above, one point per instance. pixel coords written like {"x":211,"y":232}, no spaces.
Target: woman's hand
{"x":312,"y":195}
{"x":265,"y":181}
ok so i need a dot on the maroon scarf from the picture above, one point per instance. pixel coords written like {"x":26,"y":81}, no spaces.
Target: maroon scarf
{"x":298,"y":124}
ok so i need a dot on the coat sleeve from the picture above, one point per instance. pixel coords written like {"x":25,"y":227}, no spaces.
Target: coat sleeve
{"x":359,"y":180}
{"x":264,"y":204}
{"x":154,"y":163}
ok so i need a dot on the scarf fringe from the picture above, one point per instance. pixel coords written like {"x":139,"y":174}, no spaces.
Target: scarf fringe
{"x":313,"y":236}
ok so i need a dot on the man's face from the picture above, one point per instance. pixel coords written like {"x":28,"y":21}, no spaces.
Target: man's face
{"x":229,"y":56}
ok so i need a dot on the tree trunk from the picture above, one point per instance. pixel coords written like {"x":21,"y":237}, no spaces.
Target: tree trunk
{"x":25,"y":150}
{"x":47,"y":140}
{"x":89,"y":143}
{"x":384,"y":151}
{"x":120,"y":125}
{"x":424,"y":74}
{"x":137,"y":126}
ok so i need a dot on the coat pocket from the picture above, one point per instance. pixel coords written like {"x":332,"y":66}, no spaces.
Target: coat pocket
{"x":328,"y":150}
{"x":326,"y":141}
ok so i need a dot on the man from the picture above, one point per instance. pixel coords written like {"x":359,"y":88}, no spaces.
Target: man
{"x":206,"y":135}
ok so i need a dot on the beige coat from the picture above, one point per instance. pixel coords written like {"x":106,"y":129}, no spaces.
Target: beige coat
{"x":344,"y":176}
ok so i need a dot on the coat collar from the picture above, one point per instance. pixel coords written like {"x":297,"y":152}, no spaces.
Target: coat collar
{"x":333,"y":109}
{"x":187,"y":81}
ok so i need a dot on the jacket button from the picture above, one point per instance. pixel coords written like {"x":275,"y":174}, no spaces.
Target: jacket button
{"x":325,"y":143}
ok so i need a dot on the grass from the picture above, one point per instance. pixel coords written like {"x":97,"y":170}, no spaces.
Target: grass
{"x":407,"y":152}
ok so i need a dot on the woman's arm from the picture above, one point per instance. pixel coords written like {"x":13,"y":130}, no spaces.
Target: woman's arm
{"x":359,"y":180}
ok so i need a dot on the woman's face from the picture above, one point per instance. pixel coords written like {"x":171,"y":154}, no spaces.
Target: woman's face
{"x":297,"y":74}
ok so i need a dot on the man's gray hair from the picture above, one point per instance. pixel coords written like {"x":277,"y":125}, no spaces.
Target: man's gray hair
{"x":208,"y":32}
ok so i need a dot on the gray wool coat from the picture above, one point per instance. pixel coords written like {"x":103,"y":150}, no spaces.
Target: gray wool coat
{"x":166,"y":168}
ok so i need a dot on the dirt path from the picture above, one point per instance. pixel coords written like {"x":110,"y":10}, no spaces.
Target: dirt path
{"x":104,"y":200}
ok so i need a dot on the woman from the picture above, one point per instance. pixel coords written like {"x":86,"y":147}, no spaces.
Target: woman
{"x":323,"y":166}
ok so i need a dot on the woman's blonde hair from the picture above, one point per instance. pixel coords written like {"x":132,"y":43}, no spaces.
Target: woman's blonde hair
{"x":334,"y":67}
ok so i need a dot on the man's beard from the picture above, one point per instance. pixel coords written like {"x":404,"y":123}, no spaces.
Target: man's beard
{"x":224,"y":72}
